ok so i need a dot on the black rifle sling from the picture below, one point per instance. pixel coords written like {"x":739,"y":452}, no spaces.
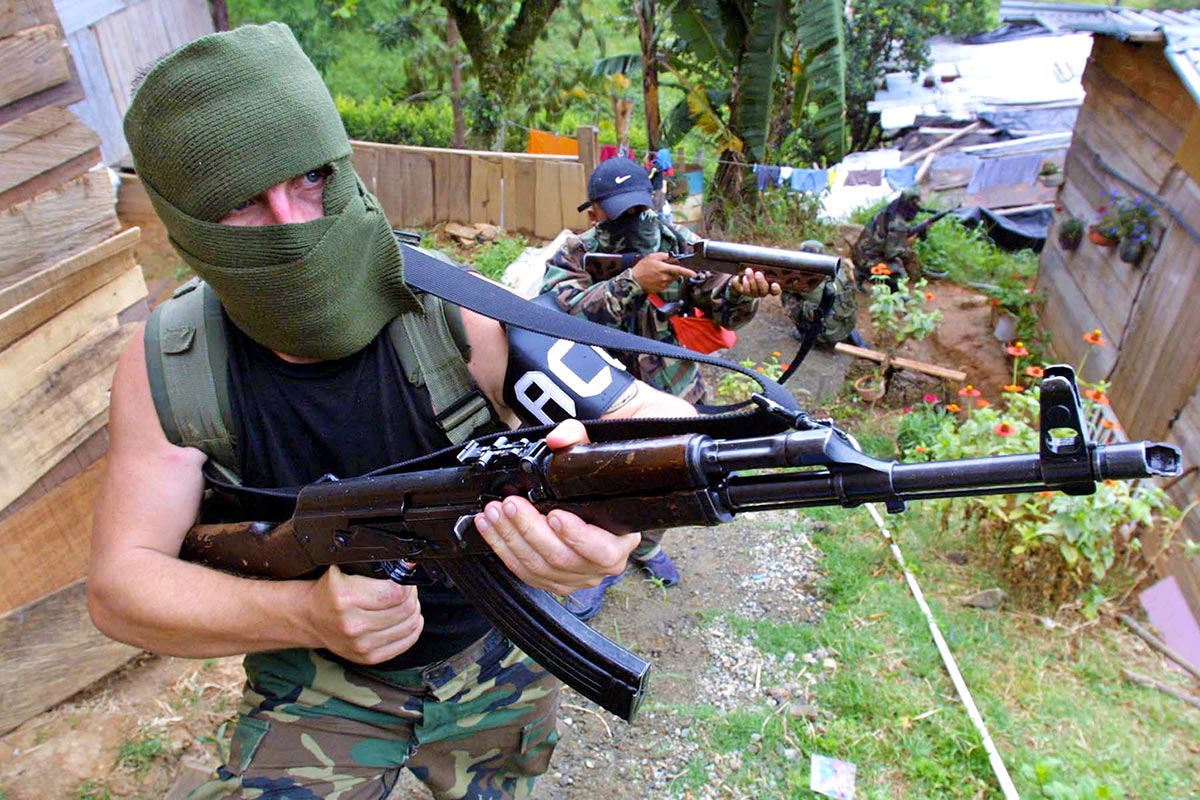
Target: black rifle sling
{"x":436,"y":277}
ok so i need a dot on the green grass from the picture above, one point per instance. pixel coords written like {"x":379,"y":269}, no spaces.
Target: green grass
{"x":1063,"y":719}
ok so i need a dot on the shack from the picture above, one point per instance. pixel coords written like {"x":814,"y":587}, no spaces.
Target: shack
{"x":1137,"y":136}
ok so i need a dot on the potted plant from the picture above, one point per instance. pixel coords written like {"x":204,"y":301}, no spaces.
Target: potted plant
{"x":1105,"y":230}
{"x":1070,"y":232}
{"x":1135,"y":216}
{"x":871,"y":387}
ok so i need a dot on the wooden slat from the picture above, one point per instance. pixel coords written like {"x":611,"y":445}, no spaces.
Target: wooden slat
{"x":56,"y":416}
{"x":78,"y":14}
{"x":1158,"y":370}
{"x":486,"y":197}
{"x":573,"y":190}
{"x":97,"y":109}
{"x":130,"y":39}
{"x":17,"y":15}
{"x":80,"y":282}
{"x":42,"y":150}
{"x":452,"y":187}
{"x":35,"y":670}
{"x":44,"y":546}
{"x":1102,"y":87}
{"x":1145,"y":70}
{"x":547,"y":204}
{"x":57,"y":223}
{"x":79,"y":459}
{"x":18,"y":289}
{"x":1188,"y":154}
{"x":31,"y":61}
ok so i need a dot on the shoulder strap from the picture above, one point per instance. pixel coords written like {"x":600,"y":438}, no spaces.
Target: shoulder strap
{"x":185,"y":362}
{"x":433,"y":352}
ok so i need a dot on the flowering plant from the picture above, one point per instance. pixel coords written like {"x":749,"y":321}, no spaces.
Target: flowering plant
{"x":1135,"y":215}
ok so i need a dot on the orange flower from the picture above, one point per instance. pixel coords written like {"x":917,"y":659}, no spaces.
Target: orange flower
{"x":1046,"y":494}
{"x":919,"y":448}
{"x":881,"y":269}
{"x":1016,"y":349}
{"x":929,"y":297}
{"x":981,"y":403}
{"x":1096,"y":396}
{"x":1095,"y":338}
{"x":1004,"y":429}
{"x":969,"y":391}
{"x":777,"y":354}
{"x":1035,"y":372}
{"x":1015,"y":388}
{"x":953,"y":408}
{"x":1109,"y":424}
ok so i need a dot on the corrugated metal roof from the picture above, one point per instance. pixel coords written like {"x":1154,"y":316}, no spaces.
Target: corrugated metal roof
{"x":1180,"y":30}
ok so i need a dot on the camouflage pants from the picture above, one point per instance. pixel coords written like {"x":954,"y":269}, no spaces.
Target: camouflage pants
{"x":481,"y":724}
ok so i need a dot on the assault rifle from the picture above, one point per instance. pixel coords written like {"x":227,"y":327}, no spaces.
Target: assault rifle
{"x":793,"y":270}
{"x":925,"y":224}
{"x":394,"y":521}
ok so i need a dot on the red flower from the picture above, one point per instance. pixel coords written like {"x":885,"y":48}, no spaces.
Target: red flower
{"x":1035,"y":372}
{"x":1095,"y":338}
{"x":930,"y":398}
{"x":981,"y":403}
{"x":1004,"y":429}
{"x":1016,"y":349}
{"x":969,"y":391}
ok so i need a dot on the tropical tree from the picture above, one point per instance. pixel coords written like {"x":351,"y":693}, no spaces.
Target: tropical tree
{"x":499,"y":38}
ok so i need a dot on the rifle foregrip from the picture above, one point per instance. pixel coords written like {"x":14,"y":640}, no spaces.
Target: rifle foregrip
{"x":536,"y":622}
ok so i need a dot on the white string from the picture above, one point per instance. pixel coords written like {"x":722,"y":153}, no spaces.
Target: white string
{"x":964,"y":694}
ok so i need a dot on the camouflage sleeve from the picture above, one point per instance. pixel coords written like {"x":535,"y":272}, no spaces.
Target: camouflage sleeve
{"x":611,"y":302}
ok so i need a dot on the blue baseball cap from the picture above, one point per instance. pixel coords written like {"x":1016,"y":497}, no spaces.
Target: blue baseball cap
{"x":617,"y":185}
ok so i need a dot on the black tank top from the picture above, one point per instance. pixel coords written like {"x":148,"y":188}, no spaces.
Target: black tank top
{"x":297,"y":422}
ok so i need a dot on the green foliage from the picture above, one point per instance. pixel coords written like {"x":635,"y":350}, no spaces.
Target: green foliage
{"x":1070,"y":542}
{"x":1043,"y":774}
{"x":900,"y":314}
{"x":780,"y":218}
{"x":733,"y":387}
{"x":91,"y":790}
{"x":492,"y":258}
{"x":138,"y":755}
{"x":382,"y":119}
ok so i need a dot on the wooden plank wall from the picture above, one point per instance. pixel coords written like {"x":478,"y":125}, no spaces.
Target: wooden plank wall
{"x":537,"y":195}
{"x":111,"y":41}
{"x":1140,"y":120}
{"x":70,"y":294}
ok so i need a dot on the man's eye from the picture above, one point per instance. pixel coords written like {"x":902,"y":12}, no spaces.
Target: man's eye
{"x":242,"y":206}
{"x":317,"y":175}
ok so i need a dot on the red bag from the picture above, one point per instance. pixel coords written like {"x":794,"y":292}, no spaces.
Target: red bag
{"x":698,"y":332}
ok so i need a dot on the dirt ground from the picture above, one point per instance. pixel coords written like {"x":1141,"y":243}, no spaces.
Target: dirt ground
{"x":159,"y":720}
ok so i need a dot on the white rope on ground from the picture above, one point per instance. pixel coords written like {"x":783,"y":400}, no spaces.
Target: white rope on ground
{"x":964,"y":694}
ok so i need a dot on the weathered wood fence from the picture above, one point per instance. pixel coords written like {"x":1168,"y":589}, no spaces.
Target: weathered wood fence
{"x":1138,"y":132}
{"x":419,"y":187}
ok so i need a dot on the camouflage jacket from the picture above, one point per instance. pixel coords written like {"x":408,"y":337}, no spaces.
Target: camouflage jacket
{"x":620,"y":302}
{"x":880,"y":244}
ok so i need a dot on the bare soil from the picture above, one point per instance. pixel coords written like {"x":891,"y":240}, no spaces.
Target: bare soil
{"x":157,"y":722}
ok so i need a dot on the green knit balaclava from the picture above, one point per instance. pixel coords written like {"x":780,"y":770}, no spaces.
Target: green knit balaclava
{"x":227,"y":117}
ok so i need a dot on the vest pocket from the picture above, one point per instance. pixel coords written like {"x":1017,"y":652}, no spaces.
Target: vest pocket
{"x":247,"y":736}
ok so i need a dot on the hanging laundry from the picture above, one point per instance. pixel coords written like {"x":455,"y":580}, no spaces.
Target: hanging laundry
{"x":809,"y":180}
{"x":785,"y":177}
{"x":607,"y":151}
{"x":765,"y":176}
{"x":901,"y":177}
{"x":864,"y":177}
{"x":548,"y":143}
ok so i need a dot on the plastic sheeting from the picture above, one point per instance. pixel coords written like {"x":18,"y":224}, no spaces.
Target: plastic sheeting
{"x":1024,"y":230}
